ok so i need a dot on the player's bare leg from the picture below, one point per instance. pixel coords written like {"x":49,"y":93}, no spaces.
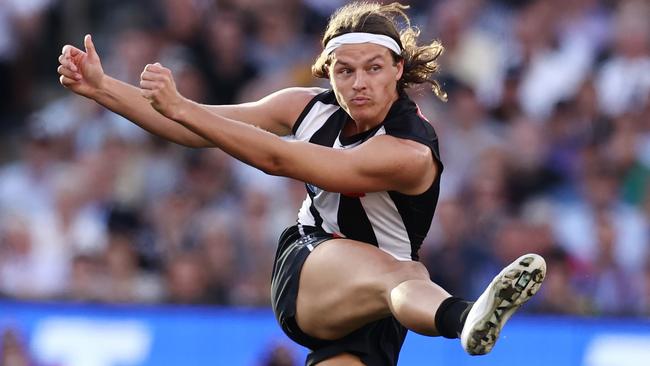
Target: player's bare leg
{"x":344,"y":359}
{"x":346,"y":284}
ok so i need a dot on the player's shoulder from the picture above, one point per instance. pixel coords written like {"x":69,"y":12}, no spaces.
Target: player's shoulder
{"x":285,"y":106}
{"x":292,"y":100}
{"x":297,"y":94}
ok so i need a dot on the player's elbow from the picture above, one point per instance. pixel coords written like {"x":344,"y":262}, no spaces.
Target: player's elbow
{"x":274,"y":164}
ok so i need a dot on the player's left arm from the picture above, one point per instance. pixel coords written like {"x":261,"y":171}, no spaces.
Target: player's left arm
{"x":379,"y":164}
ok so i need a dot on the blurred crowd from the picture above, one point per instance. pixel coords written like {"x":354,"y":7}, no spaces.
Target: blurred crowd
{"x":545,"y":141}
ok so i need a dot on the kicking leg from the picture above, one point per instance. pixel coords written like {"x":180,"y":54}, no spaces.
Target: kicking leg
{"x":346,"y":284}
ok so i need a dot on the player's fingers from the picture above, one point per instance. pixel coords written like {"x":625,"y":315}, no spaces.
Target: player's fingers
{"x":163,"y":69}
{"x":150,"y":70}
{"x":66,"y":81}
{"x":66,"y":62}
{"x":158,"y":68}
{"x":152,"y":75}
{"x":90,"y":46}
{"x":64,"y":71}
{"x":69,"y":50}
{"x":154,"y":67}
{"x":150,"y":85}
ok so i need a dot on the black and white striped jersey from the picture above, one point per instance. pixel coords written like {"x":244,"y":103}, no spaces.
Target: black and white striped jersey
{"x":395,"y":222}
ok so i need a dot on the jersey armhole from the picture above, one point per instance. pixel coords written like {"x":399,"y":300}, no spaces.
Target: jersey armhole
{"x":306,"y":110}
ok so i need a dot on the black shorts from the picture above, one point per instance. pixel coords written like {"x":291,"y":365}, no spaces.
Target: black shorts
{"x":376,"y":344}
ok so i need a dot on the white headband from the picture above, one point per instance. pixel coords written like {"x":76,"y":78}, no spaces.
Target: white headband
{"x":358,"y":37}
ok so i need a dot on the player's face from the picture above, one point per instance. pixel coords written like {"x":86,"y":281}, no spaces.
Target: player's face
{"x":364,"y":78}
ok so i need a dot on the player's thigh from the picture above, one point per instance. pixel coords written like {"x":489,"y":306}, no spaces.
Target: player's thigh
{"x":346,"y":284}
{"x":344,"y":359}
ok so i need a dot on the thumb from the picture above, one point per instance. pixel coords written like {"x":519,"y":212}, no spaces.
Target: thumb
{"x":90,"y":47}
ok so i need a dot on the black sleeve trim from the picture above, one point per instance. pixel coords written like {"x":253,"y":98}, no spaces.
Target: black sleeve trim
{"x":433,"y":145}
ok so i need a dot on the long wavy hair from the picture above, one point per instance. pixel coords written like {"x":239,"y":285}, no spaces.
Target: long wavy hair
{"x":420,"y":63}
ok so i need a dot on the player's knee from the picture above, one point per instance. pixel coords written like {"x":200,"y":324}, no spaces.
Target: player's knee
{"x":374,"y":291}
{"x":405,"y":271}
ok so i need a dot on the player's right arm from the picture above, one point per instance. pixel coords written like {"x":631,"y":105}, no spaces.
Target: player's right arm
{"x":82,"y":73}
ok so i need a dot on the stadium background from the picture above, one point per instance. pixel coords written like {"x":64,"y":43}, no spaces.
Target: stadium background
{"x":117,"y":248}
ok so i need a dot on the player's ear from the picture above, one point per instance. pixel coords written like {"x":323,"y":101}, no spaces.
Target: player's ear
{"x":400,"y":69}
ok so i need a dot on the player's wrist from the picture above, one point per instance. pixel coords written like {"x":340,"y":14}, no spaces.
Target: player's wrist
{"x":182,"y":109}
{"x":100,"y":89}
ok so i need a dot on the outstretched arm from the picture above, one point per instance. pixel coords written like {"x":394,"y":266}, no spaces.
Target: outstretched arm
{"x":82,"y":72}
{"x":382,"y":163}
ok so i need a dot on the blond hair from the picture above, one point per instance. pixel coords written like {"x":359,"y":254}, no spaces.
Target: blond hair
{"x":419,"y":61}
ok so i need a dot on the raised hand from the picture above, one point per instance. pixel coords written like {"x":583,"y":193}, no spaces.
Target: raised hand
{"x":158,"y":86}
{"x":81,"y":71}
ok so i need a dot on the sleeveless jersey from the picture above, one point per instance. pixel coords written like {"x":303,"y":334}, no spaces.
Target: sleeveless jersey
{"x":396,"y":223}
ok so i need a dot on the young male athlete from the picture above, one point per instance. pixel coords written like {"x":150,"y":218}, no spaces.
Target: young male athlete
{"x":346,"y":280}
